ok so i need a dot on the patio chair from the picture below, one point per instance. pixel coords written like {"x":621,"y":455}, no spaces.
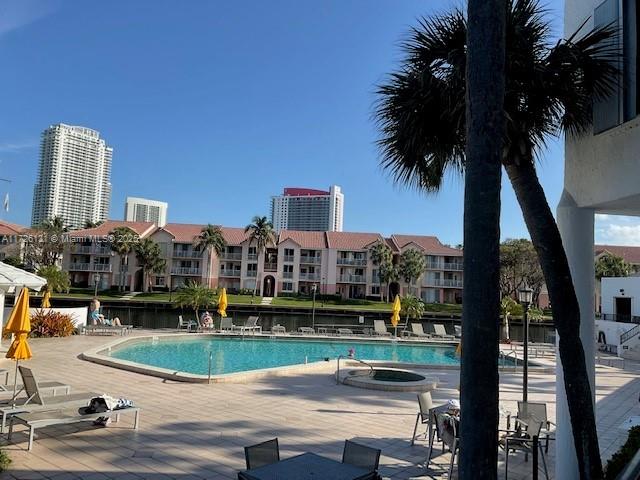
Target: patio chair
{"x":538,"y":412}
{"x":278,"y":329}
{"x":380,"y":329}
{"x":425,"y":404}
{"x":36,"y":400}
{"x":361,"y":456}
{"x":306,"y":331}
{"x":226,"y":323}
{"x":457,"y":329}
{"x":261,"y":454}
{"x":186,"y":324}
{"x":418,"y":331}
{"x":522,"y":439}
{"x":447,"y":432}
{"x":250,"y":325}
{"x":345,"y":331}
{"x":441,"y":332}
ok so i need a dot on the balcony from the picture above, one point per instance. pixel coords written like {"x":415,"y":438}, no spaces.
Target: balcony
{"x":287,"y":274}
{"x":375,"y":280}
{"x":187,"y":254}
{"x":447,"y":283}
{"x":102,"y":250}
{"x":445,"y":266}
{"x":79,"y":267}
{"x":351,"y":279}
{"x":352,"y":261}
{"x":101,"y":267}
{"x":91,"y":249}
{"x":270,"y":267}
{"x":312,"y":277}
{"x":83,"y":249}
{"x":231,"y":256}
{"x":252,"y":274}
{"x":230,"y":272}
{"x":186,"y":271}
{"x":315,"y":260}
{"x":288,"y":258}
{"x":252,"y":256}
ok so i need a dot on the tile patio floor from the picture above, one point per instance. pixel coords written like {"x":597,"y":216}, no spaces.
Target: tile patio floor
{"x":193,"y":431}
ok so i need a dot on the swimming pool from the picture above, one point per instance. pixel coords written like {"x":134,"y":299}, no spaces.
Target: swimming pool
{"x":231,"y":355}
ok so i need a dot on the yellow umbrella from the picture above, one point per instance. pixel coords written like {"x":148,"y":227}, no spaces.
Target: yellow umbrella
{"x":19,"y":325}
{"x":222,"y":303}
{"x":46,"y":299}
{"x":395,"y":313}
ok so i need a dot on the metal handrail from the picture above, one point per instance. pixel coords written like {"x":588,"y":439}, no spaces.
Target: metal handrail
{"x":629,"y":334}
{"x":371,"y":372}
{"x":510,"y":354}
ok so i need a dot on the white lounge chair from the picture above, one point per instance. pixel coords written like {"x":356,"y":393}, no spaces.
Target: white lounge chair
{"x":441,"y":332}
{"x":226,"y":323}
{"x":251,"y":325}
{"x":418,"y":331}
{"x":187,"y":325}
{"x":278,"y":329}
{"x":457,"y":329}
{"x":36,"y":401}
{"x":380,"y":328}
{"x":345,"y":331}
{"x":306,"y":331}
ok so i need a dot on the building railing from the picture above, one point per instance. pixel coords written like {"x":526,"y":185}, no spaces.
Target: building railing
{"x":252,"y":256}
{"x":316,"y":260}
{"x":287,"y":274}
{"x":288,"y":258}
{"x":91,"y":249}
{"x":352,"y":279}
{"x":309,"y":276}
{"x":186,"y":271}
{"x":447,"y":283}
{"x":270,"y":267}
{"x":618,"y":317}
{"x":252,"y":273}
{"x":229,"y":272}
{"x":102,"y":250}
{"x":375,"y":280}
{"x":186,"y":254}
{"x":445,"y":266}
{"x":352,"y":261}
{"x":231,"y":256}
{"x":79,"y":267}
{"x":101,"y":267}
{"x":83,"y":249}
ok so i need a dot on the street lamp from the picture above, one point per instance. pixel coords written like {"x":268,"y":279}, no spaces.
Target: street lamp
{"x":525,"y":295}
{"x":314,"y":289}
{"x":96,"y":281}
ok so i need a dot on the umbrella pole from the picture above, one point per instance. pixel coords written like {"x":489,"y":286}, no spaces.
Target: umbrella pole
{"x":15,"y":384}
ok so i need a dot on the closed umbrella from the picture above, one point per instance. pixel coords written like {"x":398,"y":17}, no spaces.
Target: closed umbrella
{"x":20,"y":326}
{"x":46,"y":299}
{"x":222,"y":304}
{"x":395,"y":313}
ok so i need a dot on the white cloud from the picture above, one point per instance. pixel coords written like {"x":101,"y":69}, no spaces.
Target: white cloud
{"x":10,"y":147}
{"x":616,"y":234}
{"x":602,"y":217}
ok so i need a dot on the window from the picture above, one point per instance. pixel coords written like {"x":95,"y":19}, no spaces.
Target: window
{"x":159,"y":281}
{"x":253,"y":250}
{"x":288,"y":268}
{"x":375,"y":290}
{"x":288,"y":252}
{"x":287,"y":286}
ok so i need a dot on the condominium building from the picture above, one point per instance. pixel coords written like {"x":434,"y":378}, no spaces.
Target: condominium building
{"x":145,"y":210}
{"x":337,"y":263}
{"x":307,"y":209}
{"x":74,"y":175}
{"x":11,"y":240}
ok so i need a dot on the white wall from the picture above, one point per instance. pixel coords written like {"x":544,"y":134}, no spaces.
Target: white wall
{"x":611,"y":289}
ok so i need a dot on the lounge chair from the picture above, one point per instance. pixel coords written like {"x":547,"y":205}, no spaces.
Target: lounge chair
{"x":278,"y":329}
{"x":380,"y":329}
{"x":418,"y":331}
{"x":345,"y":331}
{"x":441,"y":332}
{"x":226,"y":323}
{"x":186,"y":324}
{"x":46,"y":388}
{"x":306,"y":330}
{"x":65,"y":416}
{"x":101,"y":329}
{"x":37,"y":401}
{"x":457,"y":331}
{"x":251,"y":325}
{"x":265,"y":453}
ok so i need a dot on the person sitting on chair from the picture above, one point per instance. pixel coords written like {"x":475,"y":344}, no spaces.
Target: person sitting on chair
{"x":111,"y":323}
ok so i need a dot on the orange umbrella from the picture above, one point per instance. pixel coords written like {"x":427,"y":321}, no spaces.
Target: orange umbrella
{"x":19,"y":325}
{"x":395,"y":313}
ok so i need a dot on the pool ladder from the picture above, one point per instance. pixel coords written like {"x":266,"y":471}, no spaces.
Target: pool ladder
{"x":510,"y":354}
{"x":371,"y":370}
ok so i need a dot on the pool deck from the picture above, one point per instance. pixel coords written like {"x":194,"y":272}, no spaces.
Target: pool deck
{"x":191,"y":431}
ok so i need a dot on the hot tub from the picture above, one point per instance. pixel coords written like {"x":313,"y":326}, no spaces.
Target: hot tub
{"x":389,"y":379}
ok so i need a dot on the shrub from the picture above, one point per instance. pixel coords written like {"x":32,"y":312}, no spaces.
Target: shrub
{"x":622,"y":457}
{"x":5,"y":461}
{"x":51,"y":324}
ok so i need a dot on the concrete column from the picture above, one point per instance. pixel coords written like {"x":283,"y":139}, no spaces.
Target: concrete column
{"x":577,"y":230}
{"x":1,"y":314}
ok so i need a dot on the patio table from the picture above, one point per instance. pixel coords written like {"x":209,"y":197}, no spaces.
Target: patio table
{"x":307,"y":466}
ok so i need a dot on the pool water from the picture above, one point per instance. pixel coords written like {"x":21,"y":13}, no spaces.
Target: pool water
{"x":231,"y":355}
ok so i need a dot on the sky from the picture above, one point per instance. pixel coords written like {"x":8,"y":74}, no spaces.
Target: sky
{"x":214,"y":106}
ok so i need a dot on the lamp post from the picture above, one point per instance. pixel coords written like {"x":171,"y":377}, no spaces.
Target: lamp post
{"x":525,"y":295}
{"x":96,"y":281}
{"x":314,"y":289}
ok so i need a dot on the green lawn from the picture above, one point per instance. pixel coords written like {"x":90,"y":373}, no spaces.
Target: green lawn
{"x":277,"y":301}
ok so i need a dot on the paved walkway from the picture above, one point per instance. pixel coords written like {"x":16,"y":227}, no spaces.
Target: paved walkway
{"x":198,"y":431}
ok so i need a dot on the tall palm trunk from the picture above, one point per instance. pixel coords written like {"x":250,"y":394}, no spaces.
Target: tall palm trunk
{"x":479,"y":387}
{"x":566,"y":313}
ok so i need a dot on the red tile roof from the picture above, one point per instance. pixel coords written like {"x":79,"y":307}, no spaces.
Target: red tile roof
{"x":183,"y":232}
{"x":7,"y":228}
{"x":141,"y":228}
{"x":630,"y":254}
{"x":234,"y":235}
{"x":314,"y":240}
{"x":431,"y":245}
{"x":351,"y":240}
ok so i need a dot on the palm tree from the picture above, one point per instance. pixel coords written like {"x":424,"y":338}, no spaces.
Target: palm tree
{"x":57,"y":280}
{"x":609,"y":265}
{"x":382,"y":257}
{"x":195,"y":296}
{"x":411,"y":266}
{"x":210,"y":239}
{"x":91,"y":224}
{"x":53,"y":231}
{"x":123,"y":241}
{"x":261,"y":233}
{"x":412,"y":308}
{"x":549,"y":91}
{"x":149,"y":255}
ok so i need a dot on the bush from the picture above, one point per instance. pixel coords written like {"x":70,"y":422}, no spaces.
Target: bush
{"x":51,"y":324}
{"x":5,"y":461}
{"x":622,"y":457}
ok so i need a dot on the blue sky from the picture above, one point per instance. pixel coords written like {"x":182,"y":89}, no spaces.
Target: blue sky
{"x":213,"y":106}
